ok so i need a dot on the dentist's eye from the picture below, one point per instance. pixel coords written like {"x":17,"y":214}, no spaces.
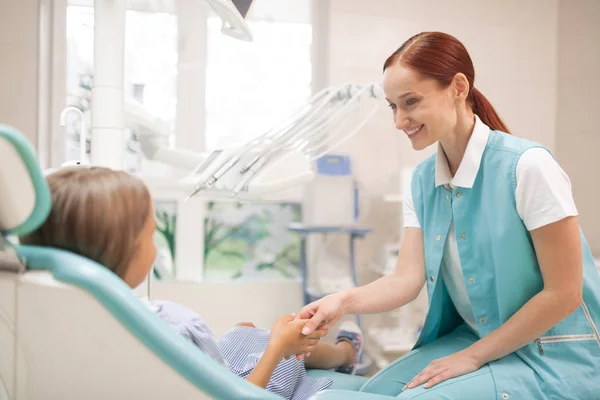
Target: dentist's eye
{"x":392,"y":106}
{"x":411,"y":102}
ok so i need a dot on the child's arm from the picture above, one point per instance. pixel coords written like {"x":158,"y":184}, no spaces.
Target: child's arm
{"x":286,"y":340}
{"x":261,"y":374}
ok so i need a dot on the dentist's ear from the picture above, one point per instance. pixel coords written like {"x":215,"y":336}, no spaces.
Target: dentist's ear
{"x":461,"y":86}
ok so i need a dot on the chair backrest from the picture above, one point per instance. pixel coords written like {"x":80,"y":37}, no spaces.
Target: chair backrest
{"x":24,"y":196}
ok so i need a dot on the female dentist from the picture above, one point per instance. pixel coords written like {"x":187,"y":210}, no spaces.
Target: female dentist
{"x":491,"y":228}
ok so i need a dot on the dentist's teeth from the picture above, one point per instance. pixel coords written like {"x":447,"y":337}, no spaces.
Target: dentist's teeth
{"x":413,"y":131}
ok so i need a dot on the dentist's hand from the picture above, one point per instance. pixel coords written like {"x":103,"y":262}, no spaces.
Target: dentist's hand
{"x":452,"y":366}
{"x":323,"y":313}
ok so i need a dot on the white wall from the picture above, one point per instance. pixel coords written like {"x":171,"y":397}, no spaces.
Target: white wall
{"x":19,"y":40}
{"x":578,"y":104}
{"x":31,"y":101}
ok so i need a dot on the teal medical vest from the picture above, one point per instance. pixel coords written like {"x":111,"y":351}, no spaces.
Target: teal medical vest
{"x":501,"y":274}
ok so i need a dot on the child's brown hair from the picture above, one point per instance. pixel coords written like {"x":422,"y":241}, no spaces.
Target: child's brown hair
{"x":97,"y":213}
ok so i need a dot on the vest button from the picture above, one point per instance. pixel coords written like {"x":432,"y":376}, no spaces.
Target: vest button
{"x":462,"y":235}
{"x":471,"y":280}
{"x":482,"y":320}
{"x":431,"y":278}
{"x":438,"y":238}
{"x":447,"y":197}
{"x":458,"y":194}
{"x":505,"y":395}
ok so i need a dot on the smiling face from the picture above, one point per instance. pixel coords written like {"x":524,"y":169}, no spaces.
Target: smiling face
{"x":424,"y":110}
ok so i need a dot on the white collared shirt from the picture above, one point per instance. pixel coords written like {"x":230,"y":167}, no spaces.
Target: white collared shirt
{"x":543,"y":196}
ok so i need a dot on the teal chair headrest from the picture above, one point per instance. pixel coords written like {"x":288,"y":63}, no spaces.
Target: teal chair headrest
{"x":24,"y":195}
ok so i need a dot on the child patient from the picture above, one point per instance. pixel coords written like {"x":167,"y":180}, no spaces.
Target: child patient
{"x":107,"y":216}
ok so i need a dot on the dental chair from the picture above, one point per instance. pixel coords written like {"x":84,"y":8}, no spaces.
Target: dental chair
{"x":70,"y":329}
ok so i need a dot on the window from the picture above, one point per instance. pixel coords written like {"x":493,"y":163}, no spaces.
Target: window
{"x":251,"y":242}
{"x":252,"y":86}
{"x":150,"y":69}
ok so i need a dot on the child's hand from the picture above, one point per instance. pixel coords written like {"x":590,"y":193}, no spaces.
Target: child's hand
{"x":287,"y":337}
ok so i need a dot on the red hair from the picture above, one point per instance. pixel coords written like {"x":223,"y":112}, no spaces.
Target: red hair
{"x":440,"y":56}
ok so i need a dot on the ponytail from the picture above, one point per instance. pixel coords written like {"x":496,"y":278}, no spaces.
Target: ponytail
{"x":484,"y":109}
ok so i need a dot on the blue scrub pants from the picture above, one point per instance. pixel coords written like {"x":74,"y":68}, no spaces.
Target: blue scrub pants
{"x":478,"y":385}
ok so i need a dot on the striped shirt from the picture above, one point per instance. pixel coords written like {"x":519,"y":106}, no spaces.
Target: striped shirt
{"x":239,"y":350}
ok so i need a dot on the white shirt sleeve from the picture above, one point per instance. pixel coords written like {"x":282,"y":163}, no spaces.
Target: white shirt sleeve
{"x":543,"y":191}
{"x":409,"y":215}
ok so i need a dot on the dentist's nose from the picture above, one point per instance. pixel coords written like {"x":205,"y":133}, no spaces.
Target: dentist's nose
{"x":402,"y":121}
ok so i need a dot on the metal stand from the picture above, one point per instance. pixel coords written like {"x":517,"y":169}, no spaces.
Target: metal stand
{"x":354,"y":232}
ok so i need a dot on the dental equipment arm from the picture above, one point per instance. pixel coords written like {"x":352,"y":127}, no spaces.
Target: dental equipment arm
{"x":154,"y":135}
{"x":278,"y":160}
{"x":281,"y":175}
